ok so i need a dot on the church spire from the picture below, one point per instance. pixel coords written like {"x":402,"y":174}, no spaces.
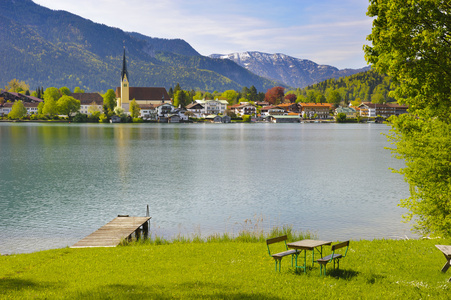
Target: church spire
{"x":124,"y":69}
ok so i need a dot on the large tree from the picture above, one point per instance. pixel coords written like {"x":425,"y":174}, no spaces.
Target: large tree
{"x":18,"y":110}
{"x":275,"y":95}
{"x":52,"y":92}
{"x":231,"y":96}
{"x":411,"y":42}
{"x":181,"y":98}
{"x":17,"y":86}
{"x":68,"y":105}
{"x":109,"y":100}
{"x":134,"y":109}
{"x":50,"y":108}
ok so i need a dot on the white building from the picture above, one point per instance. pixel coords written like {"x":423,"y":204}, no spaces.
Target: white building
{"x":89,"y":102}
{"x":213,"y":107}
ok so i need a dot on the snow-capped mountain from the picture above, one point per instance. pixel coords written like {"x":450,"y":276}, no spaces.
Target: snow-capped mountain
{"x":288,"y":70}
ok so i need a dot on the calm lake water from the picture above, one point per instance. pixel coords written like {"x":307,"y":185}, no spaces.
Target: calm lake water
{"x":60,"y":182}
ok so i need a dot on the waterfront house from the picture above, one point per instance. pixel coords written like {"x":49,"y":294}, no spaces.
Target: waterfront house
{"x":272,"y":111}
{"x":7,"y":100}
{"x":163,"y":111}
{"x":292,"y":118}
{"x":350,"y":112}
{"x":215,"y":119}
{"x":371,"y":110}
{"x":243,"y":109}
{"x":321,"y":110}
{"x":290,"y":107}
{"x":213,"y":107}
{"x":89,"y":102}
{"x":31,"y":107}
{"x":226,"y":119}
{"x":196,"y":108}
{"x":148,"y":112}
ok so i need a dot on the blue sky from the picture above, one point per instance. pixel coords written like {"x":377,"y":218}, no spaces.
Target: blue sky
{"x":328,"y":32}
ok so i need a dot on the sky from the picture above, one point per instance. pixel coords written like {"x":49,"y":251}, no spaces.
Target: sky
{"x":328,"y":32}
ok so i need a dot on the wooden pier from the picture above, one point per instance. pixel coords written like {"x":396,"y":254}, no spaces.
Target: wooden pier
{"x":114,"y":232}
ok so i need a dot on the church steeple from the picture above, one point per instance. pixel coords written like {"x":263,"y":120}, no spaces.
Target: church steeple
{"x":124,"y":68}
{"x":124,"y":100}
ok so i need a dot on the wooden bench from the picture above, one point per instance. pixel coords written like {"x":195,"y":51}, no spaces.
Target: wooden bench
{"x":278,"y":256}
{"x":446,"y":250}
{"x":335,"y":257}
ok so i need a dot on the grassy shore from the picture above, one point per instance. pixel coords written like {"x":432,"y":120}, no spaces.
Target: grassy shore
{"x":223,"y":268}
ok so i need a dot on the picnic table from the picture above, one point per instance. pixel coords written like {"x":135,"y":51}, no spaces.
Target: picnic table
{"x":446,"y":250}
{"x":310,"y":245}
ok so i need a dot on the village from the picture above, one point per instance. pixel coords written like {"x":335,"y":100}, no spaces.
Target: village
{"x":155,"y":105}
{"x":217,"y":111}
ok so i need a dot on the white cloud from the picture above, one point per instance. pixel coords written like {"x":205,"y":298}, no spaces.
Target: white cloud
{"x":325,"y":31}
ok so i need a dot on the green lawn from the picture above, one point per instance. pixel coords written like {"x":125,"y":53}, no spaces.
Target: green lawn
{"x":378,"y":269}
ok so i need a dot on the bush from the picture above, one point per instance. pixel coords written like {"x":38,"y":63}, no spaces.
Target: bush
{"x":341,"y":118}
{"x":138,"y":120}
{"x":80,"y":118}
{"x":103,"y":118}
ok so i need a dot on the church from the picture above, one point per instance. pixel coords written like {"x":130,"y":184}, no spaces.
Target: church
{"x":144,"y":96}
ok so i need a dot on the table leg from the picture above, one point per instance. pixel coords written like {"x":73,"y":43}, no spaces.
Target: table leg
{"x":305,"y":260}
{"x":446,"y":266}
{"x":313,"y":254}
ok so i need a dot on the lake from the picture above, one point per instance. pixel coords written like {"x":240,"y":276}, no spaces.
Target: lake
{"x":61,"y":182}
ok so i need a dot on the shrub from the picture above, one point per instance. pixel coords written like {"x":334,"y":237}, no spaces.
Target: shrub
{"x":103,"y":118}
{"x":80,"y":118}
{"x":341,"y":118}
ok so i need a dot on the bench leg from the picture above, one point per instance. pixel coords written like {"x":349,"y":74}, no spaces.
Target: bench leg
{"x":278,"y":262}
{"x":321,"y":269}
{"x":338,"y":263}
{"x":445,"y":267}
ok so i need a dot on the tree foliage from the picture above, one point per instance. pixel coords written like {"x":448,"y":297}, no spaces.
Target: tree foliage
{"x":65,"y":91}
{"x":51,"y":92}
{"x":68,"y":105}
{"x":109,"y":100}
{"x":17,"y":86}
{"x":275,"y":95}
{"x":291,"y":98}
{"x":181,"y":98}
{"x":134,"y":109}
{"x":231,"y":96}
{"x":18,"y":110}
{"x":50,"y":108}
{"x":411,"y":43}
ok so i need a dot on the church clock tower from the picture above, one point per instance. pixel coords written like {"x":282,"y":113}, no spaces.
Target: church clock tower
{"x":124,"y":101}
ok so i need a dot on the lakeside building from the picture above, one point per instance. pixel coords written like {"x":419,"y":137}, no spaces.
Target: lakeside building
{"x":213,"y":107}
{"x":89,"y":102}
{"x":142,"y":95}
{"x":196,"y":109}
{"x":350,"y":112}
{"x":372,"y":110}
{"x":321,"y":110}
{"x":244,"y":109}
{"x":7,"y":100}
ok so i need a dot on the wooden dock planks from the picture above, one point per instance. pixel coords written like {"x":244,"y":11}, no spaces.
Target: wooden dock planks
{"x":112,"y":233}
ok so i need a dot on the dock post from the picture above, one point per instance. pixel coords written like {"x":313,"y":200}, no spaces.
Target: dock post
{"x":146,"y":230}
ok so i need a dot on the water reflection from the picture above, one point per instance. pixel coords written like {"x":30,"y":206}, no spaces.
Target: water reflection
{"x":64,"y":181}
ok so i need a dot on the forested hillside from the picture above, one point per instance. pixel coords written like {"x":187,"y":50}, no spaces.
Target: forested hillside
{"x":55,"y":48}
{"x":368,"y":86}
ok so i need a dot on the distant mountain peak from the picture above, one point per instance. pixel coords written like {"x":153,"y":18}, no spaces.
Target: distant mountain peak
{"x":291,"y":71}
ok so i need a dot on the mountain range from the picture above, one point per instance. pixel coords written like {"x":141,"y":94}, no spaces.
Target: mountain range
{"x":44,"y":47}
{"x":289,"y":70}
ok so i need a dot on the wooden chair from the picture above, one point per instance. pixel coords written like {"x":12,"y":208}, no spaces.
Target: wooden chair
{"x":335,"y":257}
{"x":278,"y":256}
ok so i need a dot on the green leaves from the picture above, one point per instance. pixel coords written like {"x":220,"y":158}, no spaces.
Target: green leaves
{"x":411,"y":43}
